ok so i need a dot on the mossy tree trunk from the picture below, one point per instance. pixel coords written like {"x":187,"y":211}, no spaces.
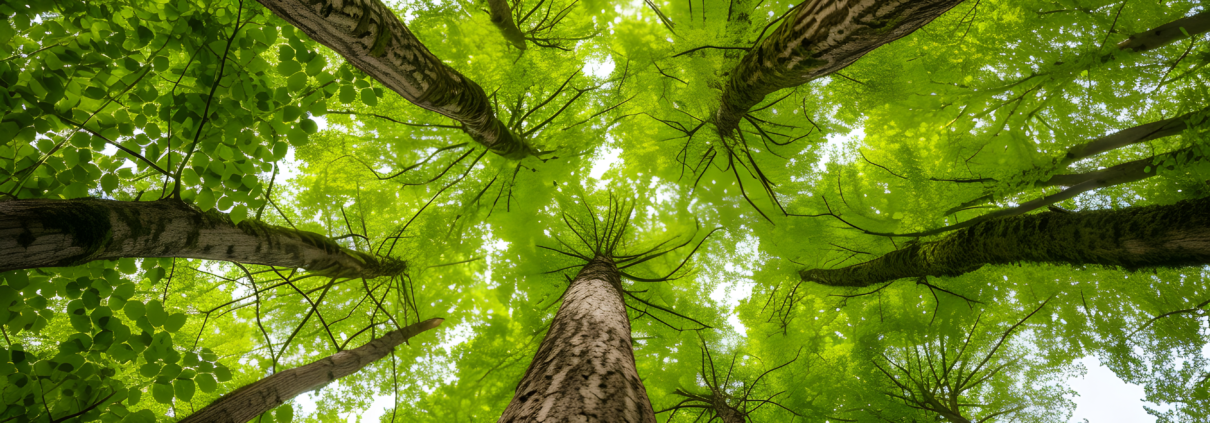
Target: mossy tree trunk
{"x":256,"y":398}
{"x":819,"y":37}
{"x":584,"y":370}
{"x":502,"y":18}
{"x":55,"y":233}
{"x":1138,"y":237}
{"x":369,"y":35}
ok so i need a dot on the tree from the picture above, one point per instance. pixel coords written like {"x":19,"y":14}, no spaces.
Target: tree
{"x":249,"y":401}
{"x":297,"y":115}
{"x":69,"y":233}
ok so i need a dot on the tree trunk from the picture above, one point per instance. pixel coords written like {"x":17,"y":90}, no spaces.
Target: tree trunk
{"x":818,"y":38}
{"x":1167,"y":33}
{"x":372,"y":38}
{"x":256,"y":398}
{"x":502,"y":17}
{"x":584,"y":370}
{"x":1155,"y":236}
{"x":55,"y":233}
{"x":1134,"y":135}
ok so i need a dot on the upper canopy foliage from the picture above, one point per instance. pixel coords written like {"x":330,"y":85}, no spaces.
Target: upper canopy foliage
{"x":222,"y":104}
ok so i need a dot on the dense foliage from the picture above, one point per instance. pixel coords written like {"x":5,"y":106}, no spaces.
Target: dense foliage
{"x":222,"y":104}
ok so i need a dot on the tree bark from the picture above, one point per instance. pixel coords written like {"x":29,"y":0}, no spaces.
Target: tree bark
{"x":818,"y":38}
{"x":1167,"y":33}
{"x":502,"y":17}
{"x":1135,"y":135}
{"x":56,"y":233}
{"x":373,"y":39}
{"x":256,"y":398}
{"x":584,"y":370}
{"x":1137,"y":237}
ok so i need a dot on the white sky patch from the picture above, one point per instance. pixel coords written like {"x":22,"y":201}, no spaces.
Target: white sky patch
{"x":1106,"y":398}
{"x":600,"y":69}
{"x":835,"y":145}
{"x":604,"y":160}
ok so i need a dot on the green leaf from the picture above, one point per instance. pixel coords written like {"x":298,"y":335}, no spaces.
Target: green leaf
{"x":174,"y":322}
{"x":162,"y":392}
{"x":369,"y":97}
{"x":149,"y":369}
{"x":297,"y":82}
{"x":239,"y":214}
{"x":285,"y":413}
{"x":205,"y":382}
{"x":184,"y":389}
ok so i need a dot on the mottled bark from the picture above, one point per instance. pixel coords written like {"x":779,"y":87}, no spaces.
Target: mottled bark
{"x":256,"y":398}
{"x":1138,"y":237}
{"x":584,"y":370}
{"x":373,"y":39}
{"x":1167,"y":33}
{"x":818,"y":38}
{"x":56,"y":233}
{"x":502,"y":18}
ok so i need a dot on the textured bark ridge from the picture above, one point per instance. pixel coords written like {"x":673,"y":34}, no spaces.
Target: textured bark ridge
{"x":502,"y":18}
{"x":584,"y":370}
{"x":1138,"y":237}
{"x":55,"y":233}
{"x":372,"y":38}
{"x":256,"y":398}
{"x":818,"y":38}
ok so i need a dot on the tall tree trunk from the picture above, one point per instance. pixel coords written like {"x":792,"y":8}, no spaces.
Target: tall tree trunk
{"x":372,"y":38}
{"x":1137,"y":237}
{"x":1167,"y":33}
{"x":55,"y":233}
{"x":818,"y":38}
{"x":254,"y":399}
{"x":502,"y":17}
{"x":1134,"y":135}
{"x":584,"y":370}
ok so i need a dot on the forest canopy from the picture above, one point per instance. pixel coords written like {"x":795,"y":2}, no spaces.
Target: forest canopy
{"x":772,"y":210}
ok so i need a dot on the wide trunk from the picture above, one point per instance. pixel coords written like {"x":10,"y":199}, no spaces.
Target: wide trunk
{"x":1137,"y":237}
{"x":55,"y":233}
{"x":818,"y":38}
{"x":256,"y":398}
{"x":584,"y":370}
{"x":373,"y":39}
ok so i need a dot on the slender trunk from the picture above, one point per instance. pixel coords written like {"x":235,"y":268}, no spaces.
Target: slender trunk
{"x":55,"y":233}
{"x":1129,"y":136}
{"x":1167,"y":33}
{"x":818,"y":38}
{"x":373,"y":39}
{"x":502,"y":17}
{"x":584,"y":370}
{"x":1134,"y":135}
{"x":1155,"y":236}
{"x":254,"y":399}
{"x":1131,"y":171}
